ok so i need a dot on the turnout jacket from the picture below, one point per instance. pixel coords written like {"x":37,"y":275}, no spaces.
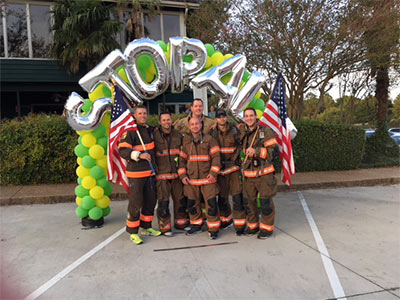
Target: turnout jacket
{"x":264,"y":144}
{"x":182,"y":125}
{"x":229,"y":142}
{"x":167,"y":151}
{"x":130,"y":148}
{"x":199,"y":158}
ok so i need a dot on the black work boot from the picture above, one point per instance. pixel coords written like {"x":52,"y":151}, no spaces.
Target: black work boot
{"x":249,"y":231}
{"x":213,"y":235}
{"x":226,"y":225}
{"x":263,"y":234}
{"x":194,"y":230}
{"x":240,"y":232}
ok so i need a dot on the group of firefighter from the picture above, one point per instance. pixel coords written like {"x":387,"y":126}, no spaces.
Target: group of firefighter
{"x":198,"y":163}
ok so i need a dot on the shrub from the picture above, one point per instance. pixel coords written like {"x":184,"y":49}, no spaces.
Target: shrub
{"x":322,"y":146}
{"x":37,"y":149}
{"x":381,"y":150}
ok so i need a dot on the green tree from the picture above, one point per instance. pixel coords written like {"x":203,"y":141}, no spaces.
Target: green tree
{"x":396,"y":110}
{"x":83,"y":33}
{"x":209,"y":21}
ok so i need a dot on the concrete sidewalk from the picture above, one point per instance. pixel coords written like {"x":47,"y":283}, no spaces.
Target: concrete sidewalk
{"x":58,"y":193}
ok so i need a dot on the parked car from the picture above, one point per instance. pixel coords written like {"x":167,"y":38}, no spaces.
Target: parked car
{"x":394,"y":131}
{"x":396,"y":138}
{"x":369,"y":132}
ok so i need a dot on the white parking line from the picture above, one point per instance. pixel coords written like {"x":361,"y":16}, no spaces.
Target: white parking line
{"x":329,"y":268}
{"x":72,"y":266}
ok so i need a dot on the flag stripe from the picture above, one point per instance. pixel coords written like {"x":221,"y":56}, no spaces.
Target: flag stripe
{"x":274,"y":117}
{"x":121,"y":122}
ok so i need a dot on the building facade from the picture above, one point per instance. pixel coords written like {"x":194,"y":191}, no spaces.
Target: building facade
{"x":33,"y":82}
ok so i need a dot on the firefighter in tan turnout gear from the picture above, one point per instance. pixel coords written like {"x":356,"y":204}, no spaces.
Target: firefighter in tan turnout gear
{"x":197,"y":109}
{"x":228,"y":138}
{"x":258,"y":144}
{"x":199,"y":164}
{"x":142,"y":196}
{"x":168,"y":142}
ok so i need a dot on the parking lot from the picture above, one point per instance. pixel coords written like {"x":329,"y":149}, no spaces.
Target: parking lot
{"x":335,"y":243}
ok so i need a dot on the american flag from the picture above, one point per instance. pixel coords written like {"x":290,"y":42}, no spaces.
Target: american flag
{"x":121,"y":122}
{"x":275,"y":116}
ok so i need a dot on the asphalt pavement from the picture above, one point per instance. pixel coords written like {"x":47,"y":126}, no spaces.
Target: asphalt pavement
{"x":328,"y":244}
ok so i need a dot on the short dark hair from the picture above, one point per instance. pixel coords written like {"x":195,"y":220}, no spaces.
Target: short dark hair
{"x":137,"y":107}
{"x":164,"y":113}
{"x":250,"y":108}
{"x":197,"y":99}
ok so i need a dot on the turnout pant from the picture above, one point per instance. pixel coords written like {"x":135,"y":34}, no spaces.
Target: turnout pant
{"x":142,"y":200}
{"x":173,"y":188}
{"x":194,"y":194}
{"x":229,"y":184}
{"x":267,"y":187}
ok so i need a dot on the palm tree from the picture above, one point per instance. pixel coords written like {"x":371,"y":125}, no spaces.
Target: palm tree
{"x":83,"y":33}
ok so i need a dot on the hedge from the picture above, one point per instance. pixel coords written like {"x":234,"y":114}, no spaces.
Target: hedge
{"x":322,"y":146}
{"x":39,"y":149}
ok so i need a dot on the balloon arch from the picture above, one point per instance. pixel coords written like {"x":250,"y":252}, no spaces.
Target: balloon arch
{"x":144,"y":71}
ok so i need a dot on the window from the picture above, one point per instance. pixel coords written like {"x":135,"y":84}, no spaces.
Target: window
{"x":40,"y":28}
{"x":171,"y":26}
{"x":173,"y":108}
{"x":156,"y":27}
{"x":26,"y":34}
{"x":152,"y":27}
{"x":17,"y":36}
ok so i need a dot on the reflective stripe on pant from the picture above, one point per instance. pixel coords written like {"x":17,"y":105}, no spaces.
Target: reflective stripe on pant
{"x":239,"y":211}
{"x":165,"y":189}
{"x":194,"y":195}
{"x":267,"y":187}
{"x":142,"y":200}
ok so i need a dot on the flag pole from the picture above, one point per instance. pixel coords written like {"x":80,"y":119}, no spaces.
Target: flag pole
{"x":139,"y":135}
{"x":258,"y":127}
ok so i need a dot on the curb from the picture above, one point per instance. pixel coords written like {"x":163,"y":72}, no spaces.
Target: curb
{"x":28,"y":200}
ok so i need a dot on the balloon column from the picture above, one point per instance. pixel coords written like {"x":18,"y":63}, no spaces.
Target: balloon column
{"x":93,"y":191}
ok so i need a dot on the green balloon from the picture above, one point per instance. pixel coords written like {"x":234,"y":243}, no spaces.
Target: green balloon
{"x":88,"y":161}
{"x":210,"y":49}
{"x":97,"y":172}
{"x":81,"y":212}
{"x":144,"y":61}
{"x":88,"y":202}
{"x":188,"y":58}
{"x":108,"y":190}
{"x":87,"y":107}
{"x":163,"y":45}
{"x":95,"y":213}
{"x":106,"y":211}
{"x":99,"y":132}
{"x":80,"y":191}
{"x":81,"y":150}
{"x":103,"y":141}
{"x":103,"y":182}
{"x":257,"y":104}
{"x":79,"y":181}
{"x":246,"y":76}
{"x":106,"y":91}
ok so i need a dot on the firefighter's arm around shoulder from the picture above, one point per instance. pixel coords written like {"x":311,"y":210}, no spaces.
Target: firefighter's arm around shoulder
{"x":125,"y":148}
{"x":215,"y":154}
{"x":182,"y":162}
